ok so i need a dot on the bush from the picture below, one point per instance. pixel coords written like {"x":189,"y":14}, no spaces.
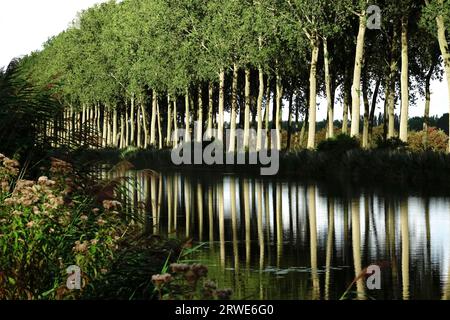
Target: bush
{"x":48,"y":225}
{"x":339,"y":145}
{"x":437,"y":141}
{"x":391,"y":144}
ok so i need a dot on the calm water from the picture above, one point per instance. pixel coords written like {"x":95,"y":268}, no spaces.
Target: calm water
{"x":269,"y":239}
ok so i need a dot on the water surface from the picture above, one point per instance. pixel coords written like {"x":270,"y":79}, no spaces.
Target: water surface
{"x":281,"y":239}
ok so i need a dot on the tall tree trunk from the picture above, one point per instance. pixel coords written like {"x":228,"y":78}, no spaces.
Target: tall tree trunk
{"x":145,"y":124}
{"x":289,"y":137}
{"x":259,"y":133}
{"x":404,"y":83}
{"x":426,"y":118}
{"x":365,"y":140}
{"x":199,"y":134}
{"x":160,"y":135}
{"x":267,"y":114}
{"x":169,"y":122}
{"x":346,"y":106}
{"x":105,"y":127}
{"x":139,"y":126}
{"x":313,"y":93}
{"x":122,"y":132}
{"x":187,"y":117}
{"x":247,"y":109}
{"x":373,"y":107}
{"x":132,"y":121}
{"x":127,"y":126}
{"x":386,"y":112}
{"x":232,"y":147}
{"x":175,"y":122}
{"x":153,"y":120}
{"x":330,"y":102}
{"x":443,"y":44}
{"x":209,"y":126}
{"x":356,"y":87}
{"x":114,"y":128}
{"x":279,"y":110}
{"x":221,"y":106}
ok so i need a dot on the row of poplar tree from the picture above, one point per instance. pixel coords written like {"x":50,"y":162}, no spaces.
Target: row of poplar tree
{"x":132,"y":73}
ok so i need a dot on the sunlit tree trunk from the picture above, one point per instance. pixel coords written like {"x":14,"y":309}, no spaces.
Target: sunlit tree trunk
{"x":160,"y":135}
{"x":199,"y":133}
{"x":187,"y":118}
{"x":365,"y":140}
{"x":247,"y":109}
{"x":169,"y":122}
{"x":209,"y":126}
{"x":145,"y":124}
{"x":404,"y":83}
{"x":313,"y":93}
{"x":259,"y":110}
{"x":221,"y":106}
{"x":132,"y":121}
{"x":267,"y":114}
{"x":330,"y":102}
{"x":139,"y":126}
{"x":443,"y":44}
{"x":345,"y":106}
{"x":356,"y":87}
{"x":114,"y":128}
{"x":279,"y":110}
{"x":175,"y":122}
{"x":153,"y":120}
{"x":232,"y":147}
{"x":122,"y":132}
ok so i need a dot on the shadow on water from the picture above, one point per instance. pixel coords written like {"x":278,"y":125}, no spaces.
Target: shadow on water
{"x":282,"y":239}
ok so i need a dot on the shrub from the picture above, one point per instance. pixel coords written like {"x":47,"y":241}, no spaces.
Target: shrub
{"x":437,"y":141}
{"x":390,"y":144}
{"x":339,"y":145}
{"x":48,"y":225}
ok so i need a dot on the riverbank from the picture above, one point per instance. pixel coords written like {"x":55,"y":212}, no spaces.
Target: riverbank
{"x":63,"y":236}
{"x":378,"y":168}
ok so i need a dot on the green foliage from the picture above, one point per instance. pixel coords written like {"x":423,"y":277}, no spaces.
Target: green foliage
{"x":47,"y":226}
{"x":23,"y":109}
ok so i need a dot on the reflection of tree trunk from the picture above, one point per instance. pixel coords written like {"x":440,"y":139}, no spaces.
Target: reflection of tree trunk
{"x":234,"y":228}
{"x":329,"y":247}
{"x":247,"y":220}
{"x":187,"y":204}
{"x":175,"y":206}
{"x":211,"y":215}
{"x":392,"y":239}
{"x":221,"y":223}
{"x":169,"y":188}
{"x":200,"y":211}
{"x":260,"y":225}
{"x":404,"y":222}
{"x":154,"y":204}
{"x":356,"y":240}
{"x":279,"y":214}
{"x":313,"y":241}
{"x":267,"y":210}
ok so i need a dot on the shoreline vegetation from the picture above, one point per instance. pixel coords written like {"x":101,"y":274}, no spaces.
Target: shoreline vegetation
{"x":339,"y":161}
{"x":63,"y":220}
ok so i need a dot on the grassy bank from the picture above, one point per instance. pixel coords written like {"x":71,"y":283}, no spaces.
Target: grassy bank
{"x":336,"y":164}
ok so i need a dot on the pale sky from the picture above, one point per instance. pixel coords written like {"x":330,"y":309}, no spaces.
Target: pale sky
{"x":26,"y":24}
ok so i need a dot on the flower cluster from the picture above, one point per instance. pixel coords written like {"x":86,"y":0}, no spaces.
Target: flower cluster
{"x":9,"y":168}
{"x":28,"y":193}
